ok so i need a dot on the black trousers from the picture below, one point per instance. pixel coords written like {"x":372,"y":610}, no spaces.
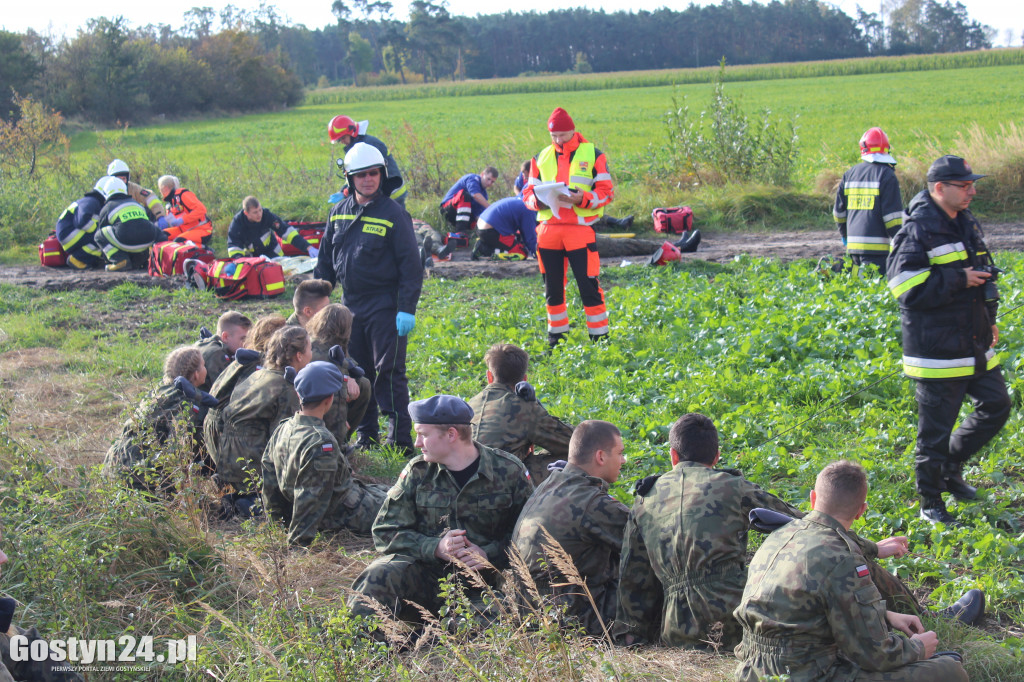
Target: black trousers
{"x":555,"y":274}
{"x":877,"y":261}
{"x":941,"y":451}
{"x":377,"y":348}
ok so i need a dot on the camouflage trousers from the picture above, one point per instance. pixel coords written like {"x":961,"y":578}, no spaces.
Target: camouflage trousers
{"x":359,"y":508}
{"x":395,"y":579}
{"x":31,"y":671}
{"x":578,"y":609}
{"x":694,"y":605}
{"x":761,"y":657}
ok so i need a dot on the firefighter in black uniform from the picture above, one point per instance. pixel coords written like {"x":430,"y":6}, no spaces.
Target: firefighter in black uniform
{"x":125,"y":232}
{"x":369,"y":248}
{"x":868,"y":208}
{"x":943,"y":275}
{"x":252,"y":231}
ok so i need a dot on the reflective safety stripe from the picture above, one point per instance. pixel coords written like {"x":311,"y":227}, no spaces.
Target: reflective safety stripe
{"x":92,"y":250}
{"x":379,"y":221}
{"x":839,"y":216}
{"x":558,"y":319}
{"x":930,"y":368}
{"x":579,"y":180}
{"x":907,"y":280}
{"x":892,"y":219}
{"x":862,"y":244}
{"x":947,"y":253}
{"x":76,"y":235}
{"x":859,"y":186}
{"x":129,"y":212}
{"x":583,"y":159}
{"x":342,"y":216}
{"x":274,"y":286}
{"x":111,"y":237}
{"x":289,"y":234}
{"x":265,"y":238}
{"x":603,"y":176}
{"x":402,"y":189}
{"x":234,"y":251}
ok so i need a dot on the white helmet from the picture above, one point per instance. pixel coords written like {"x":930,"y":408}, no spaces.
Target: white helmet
{"x":109,"y":186}
{"x":116,"y":167}
{"x":364,"y":156}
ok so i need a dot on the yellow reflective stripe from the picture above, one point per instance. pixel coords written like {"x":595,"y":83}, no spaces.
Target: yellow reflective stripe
{"x":993,"y":360}
{"x":275,"y":286}
{"x":894,"y":222}
{"x":928,"y":368}
{"x":547,"y":165}
{"x":235,"y":251}
{"x":862,"y":191}
{"x":905,"y":281}
{"x":948,"y":258}
{"x":863,"y":246}
{"x":379,"y":221}
{"x":342,"y":216}
{"x":51,"y":253}
{"x":400,"y":191}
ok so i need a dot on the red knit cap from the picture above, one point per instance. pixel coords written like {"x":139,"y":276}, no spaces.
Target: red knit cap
{"x":560,"y":121}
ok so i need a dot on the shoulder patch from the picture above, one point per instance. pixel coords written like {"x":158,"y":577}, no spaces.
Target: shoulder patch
{"x":644,"y":485}
{"x":862,"y":571}
{"x":327,"y":447}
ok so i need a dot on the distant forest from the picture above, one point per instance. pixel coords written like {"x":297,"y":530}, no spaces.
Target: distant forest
{"x":242,"y":61}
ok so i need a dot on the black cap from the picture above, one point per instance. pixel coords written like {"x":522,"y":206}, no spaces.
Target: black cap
{"x":317,"y":380}
{"x":951,"y":168}
{"x":441,"y":409}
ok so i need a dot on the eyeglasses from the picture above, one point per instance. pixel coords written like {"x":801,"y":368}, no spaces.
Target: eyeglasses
{"x":964,"y":185}
{"x":372,"y":173}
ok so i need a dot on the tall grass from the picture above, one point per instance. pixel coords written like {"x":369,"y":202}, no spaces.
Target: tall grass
{"x":645,"y":79}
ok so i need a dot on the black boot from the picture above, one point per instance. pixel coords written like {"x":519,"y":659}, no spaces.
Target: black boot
{"x":555,"y":339}
{"x":688,"y":242}
{"x":968,"y":609}
{"x":953,"y":477}
{"x":933,"y":510}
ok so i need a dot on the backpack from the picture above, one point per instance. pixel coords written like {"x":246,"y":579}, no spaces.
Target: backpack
{"x":234,"y":278}
{"x":674,"y":220}
{"x":168,"y":258}
{"x":51,"y":253}
{"x":311,"y":232}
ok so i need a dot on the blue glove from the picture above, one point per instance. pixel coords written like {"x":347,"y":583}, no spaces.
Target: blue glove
{"x":161,"y":222}
{"x":335,"y":198}
{"x":313,"y":252}
{"x":844,"y":241}
{"x":405,"y":322}
{"x":174,"y":222}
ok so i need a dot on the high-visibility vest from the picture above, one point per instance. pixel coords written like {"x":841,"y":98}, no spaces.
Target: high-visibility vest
{"x":581,"y":176}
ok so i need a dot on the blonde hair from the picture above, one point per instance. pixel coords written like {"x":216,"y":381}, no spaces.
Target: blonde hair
{"x":261,"y":332}
{"x":331,"y":325}
{"x":168,"y":181}
{"x":184,"y":361}
{"x":284,"y":345}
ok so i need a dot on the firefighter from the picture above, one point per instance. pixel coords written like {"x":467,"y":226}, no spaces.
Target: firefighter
{"x":146,"y":197}
{"x":467,"y":199}
{"x":76,"y":228}
{"x":188,"y":221}
{"x":252,"y":231}
{"x":868,"y":208}
{"x":346,"y":131}
{"x":569,"y":236}
{"x":124,"y":231}
{"x":507,"y":230}
{"x":369,"y":248}
{"x":942,"y":273}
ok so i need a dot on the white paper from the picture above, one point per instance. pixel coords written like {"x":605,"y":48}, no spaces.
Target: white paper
{"x":548,"y":193}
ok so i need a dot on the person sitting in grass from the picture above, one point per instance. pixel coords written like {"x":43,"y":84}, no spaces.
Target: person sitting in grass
{"x":331,"y":328}
{"x":310,"y":296}
{"x":219,"y":349}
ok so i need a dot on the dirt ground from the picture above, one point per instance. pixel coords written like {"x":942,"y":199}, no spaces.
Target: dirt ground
{"x":717,"y":247}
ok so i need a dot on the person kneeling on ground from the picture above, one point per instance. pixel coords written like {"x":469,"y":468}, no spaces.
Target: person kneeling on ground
{"x":459,"y":500}
{"x":307,"y":480}
{"x":467,"y":198}
{"x":124,"y":232}
{"x":188,"y":221}
{"x":507,"y":229}
{"x":76,"y":228}
{"x":508,"y":416}
{"x":573,"y":509}
{"x":165,"y":425}
{"x":811,"y":611}
{"x":252,"y":231}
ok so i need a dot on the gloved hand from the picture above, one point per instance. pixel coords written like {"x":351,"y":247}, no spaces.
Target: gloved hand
{"x":204,"y":333}
{"x":161,"y":222}
{"x":335,"y":198}
{"x":186,"y":388}
{"x":174,"y":222}
{"x":844,"y":241}
{"x":289,"y":374}
{"x":525,"y":391}
{"x":354,"y":370}
{"x":246,"y":356}
{"x":767,"y":520}
{"x":313,"y":252}
{"x":405,"y":323}
{"x":337,"y":356}
{"x":7,"y":606}
{"x":206,"y":400}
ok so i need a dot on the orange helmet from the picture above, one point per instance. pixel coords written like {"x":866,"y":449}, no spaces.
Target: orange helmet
{"x":874,"y":141}
{"x":339,"y":126}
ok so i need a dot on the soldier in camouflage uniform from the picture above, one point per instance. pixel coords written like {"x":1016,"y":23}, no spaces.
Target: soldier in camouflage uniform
{"x":573,"y":506}
{"x":328,"y":328}
{"x":258,"y":404}
{"x":219,"y":349}
{"x":811,"y":611}
{"x":683,"y":564}
{"x":508,"y":416}
{"x":310,"y":297}
{"x":307,"y":481}
{"x":457,"y":500}
{"x":165,"y":423}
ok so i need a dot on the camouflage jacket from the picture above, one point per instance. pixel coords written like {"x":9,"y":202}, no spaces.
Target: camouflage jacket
{"x":213,"y":422}
{"x":577,"y":511}
{"x":691,"y":527}
{"x":307,"y":481}
{"x":503,"y":420}
{"x":217,"y":358}
{"x":426,"y":502}
{"x":258,"y":404}
{"x":810,"y":608}
{"x":162,"y":420}
{"x":336,"y":417}
{"x":293,"y":320}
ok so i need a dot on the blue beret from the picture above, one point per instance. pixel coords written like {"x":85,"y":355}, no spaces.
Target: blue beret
{"x":318,"y":380}
{"x":441,"y":409}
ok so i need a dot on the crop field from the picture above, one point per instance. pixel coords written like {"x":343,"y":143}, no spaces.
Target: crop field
{"x":760,"y":346}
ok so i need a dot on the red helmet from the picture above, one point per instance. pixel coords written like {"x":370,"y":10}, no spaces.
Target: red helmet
{"x":340,"y":126}
{"x":874,"y":141}
{"x":666,"y":253}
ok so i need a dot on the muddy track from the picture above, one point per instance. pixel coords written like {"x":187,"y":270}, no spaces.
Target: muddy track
{"x":718,"y":247}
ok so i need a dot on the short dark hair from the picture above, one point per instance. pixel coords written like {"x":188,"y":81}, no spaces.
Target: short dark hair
{"x":233,"y":318}
{"x":313,"y":402}
{"x":695,"y":438}
{"x":589,"y":437}
{"x":310,"y":291}
{"x":465,"y":431}
{"x":508,"y":363}
{"x":492,"y":171}
{"x":841,"y":488}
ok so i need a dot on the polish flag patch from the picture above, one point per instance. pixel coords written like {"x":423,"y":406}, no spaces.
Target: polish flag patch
{"x":328,"y":447}
{"x":195,"y":408}
{"x":862,"y":571}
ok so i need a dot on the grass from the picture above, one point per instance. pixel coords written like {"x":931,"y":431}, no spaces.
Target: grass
{"x":758,"y":345}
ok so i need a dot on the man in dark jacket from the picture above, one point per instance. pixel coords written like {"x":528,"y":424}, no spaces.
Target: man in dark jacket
{"x":349,"y":133}
{"x":370,"y":249}
{"x":252,"y":231}
{"x":941,"y":272}
{"x":124,"y":231}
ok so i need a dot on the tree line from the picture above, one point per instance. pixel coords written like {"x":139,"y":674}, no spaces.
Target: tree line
{"x":112,"y":73}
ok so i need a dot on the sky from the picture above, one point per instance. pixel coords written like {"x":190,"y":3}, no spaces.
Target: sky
{"x":64,"y":17}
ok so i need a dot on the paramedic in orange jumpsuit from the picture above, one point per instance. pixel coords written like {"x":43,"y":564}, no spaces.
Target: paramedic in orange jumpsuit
{"x":188,"y":220}
{"x":568,"y":239}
